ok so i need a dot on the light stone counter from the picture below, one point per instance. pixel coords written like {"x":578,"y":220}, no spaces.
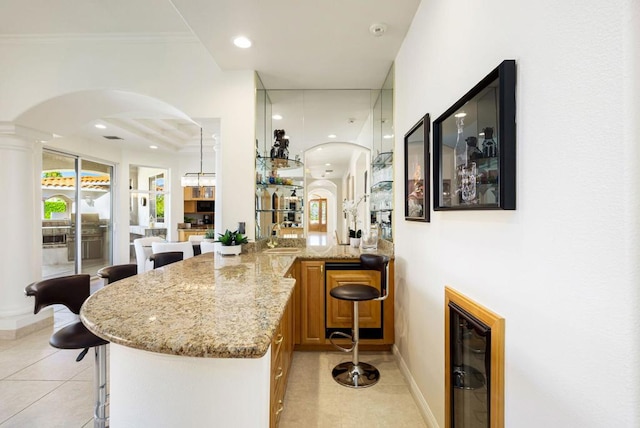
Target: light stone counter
{"x":206,"y":306}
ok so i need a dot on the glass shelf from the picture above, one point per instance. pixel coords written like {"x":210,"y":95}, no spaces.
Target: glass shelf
{"x":280,"y":164}
{"x":277,"y":201}
{"x":383,"y":160}
{"x":280,"y":186}
{"x":383,"y":210}
{"x":279,"y":211}
{"x":382,"y":186}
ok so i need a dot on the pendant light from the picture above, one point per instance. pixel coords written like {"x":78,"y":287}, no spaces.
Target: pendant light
{"x":199,"y":179}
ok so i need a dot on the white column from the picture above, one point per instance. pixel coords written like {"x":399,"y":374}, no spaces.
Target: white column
{"x":20,"y":231}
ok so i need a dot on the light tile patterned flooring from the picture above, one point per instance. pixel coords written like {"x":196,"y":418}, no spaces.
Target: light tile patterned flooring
{"x":314,"y":399}
{"x":41,"y":386}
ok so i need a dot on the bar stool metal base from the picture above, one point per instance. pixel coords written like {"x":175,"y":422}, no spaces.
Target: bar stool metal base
{"x":359,"y":375}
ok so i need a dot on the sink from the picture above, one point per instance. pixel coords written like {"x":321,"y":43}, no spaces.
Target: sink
{"x":284,"y":250}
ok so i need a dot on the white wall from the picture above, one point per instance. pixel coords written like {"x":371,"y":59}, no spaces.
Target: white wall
{"x":562,"y":268}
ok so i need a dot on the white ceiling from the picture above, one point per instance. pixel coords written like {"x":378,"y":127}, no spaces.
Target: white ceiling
{"x":298,"y":44}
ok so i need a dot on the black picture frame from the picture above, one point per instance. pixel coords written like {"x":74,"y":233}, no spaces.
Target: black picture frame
{"x":417,"y":173}
{"x":475,"y":155}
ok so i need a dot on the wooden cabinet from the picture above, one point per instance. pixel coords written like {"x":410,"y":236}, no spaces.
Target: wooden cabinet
{"x":199,"y":193}
{"x":340,"y":312}
{"x":281,"y":355}
{"x":184,"y":234}
{"x":190,"y":207}
{"x":316,"y":312}
{"x":312,"y":303}
{"x":194,"y":194}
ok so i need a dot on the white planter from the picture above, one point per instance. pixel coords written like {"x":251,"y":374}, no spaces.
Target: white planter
{"x":354,"y":242}
{"x":230,"y":250}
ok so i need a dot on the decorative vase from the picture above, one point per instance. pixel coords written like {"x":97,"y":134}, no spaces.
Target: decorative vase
{"x":230,"y":250}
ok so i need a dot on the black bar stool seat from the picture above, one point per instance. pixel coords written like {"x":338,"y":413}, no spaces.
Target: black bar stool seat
{"x":355,"y":292}
{"x":75,"y":336}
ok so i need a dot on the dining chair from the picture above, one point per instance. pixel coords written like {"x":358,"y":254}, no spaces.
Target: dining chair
{"x":207,"y":247}
{"x":143,"y":251}
{"x":164,"y":247}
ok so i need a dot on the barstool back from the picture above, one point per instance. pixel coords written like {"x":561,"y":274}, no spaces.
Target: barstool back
{"x":70,"y":291}
{"x":381,"y":264}
{"x":117,"y":272}
{"x":163,"y":259}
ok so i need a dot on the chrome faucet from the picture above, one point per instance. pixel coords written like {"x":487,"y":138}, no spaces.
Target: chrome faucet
{"x":273,"y":239}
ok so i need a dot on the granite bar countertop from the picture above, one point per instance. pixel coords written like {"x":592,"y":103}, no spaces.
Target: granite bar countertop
{"x":207,"y":306}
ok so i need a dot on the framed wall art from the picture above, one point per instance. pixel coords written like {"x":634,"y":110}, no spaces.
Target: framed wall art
{"x":416,"y":171}
{"x":474,"y":146}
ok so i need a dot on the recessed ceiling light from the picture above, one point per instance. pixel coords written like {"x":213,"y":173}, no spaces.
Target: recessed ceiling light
{"x":319,"y":148}
{"x":100,"y":126}
{"x":276,"y":117}
{"x":461,"y":114}
{"x":327,"y":164}
{"x":153,"y":147}
{"x":331,"y":136}
{"x":388,"y":136}
{"x":242,"y":42}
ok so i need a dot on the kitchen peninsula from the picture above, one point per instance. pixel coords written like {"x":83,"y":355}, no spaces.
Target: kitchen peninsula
{"x":210,"y":335}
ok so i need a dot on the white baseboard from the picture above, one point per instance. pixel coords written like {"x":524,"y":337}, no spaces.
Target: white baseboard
{"x":18,"y":326}
{"x":425,"y":411}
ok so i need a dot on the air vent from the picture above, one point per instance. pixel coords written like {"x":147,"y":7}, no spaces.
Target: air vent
{"x":328,"y":170}
{"x":112,"y":137}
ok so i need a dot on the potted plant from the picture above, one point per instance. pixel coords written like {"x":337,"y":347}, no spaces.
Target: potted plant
{"x":209,"y":235}
{"x":231,"y":242}
{"x":351,"y":208}
{"x":354,"y":237}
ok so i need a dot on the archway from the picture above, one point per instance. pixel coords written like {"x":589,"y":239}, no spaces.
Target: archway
{"x":338,"y":171}
{"x":134,"y":122}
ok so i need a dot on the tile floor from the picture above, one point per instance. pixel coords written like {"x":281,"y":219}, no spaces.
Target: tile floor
{"x":314,"y":399}
{"x":41,"y":386}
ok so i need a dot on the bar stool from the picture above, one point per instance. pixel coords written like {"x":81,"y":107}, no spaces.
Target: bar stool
{"x":356,"y":374}
{"x":117,"y":272}
{"x":71,"y":291}
{"x":163,"y":259}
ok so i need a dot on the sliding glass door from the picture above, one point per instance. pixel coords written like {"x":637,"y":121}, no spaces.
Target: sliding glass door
{"x":77,"y":227}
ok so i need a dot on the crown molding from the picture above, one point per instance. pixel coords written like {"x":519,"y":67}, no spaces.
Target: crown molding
{"x":182,"y":37}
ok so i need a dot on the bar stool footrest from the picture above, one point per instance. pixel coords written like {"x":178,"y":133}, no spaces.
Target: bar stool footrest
{"x":345,"y":335}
